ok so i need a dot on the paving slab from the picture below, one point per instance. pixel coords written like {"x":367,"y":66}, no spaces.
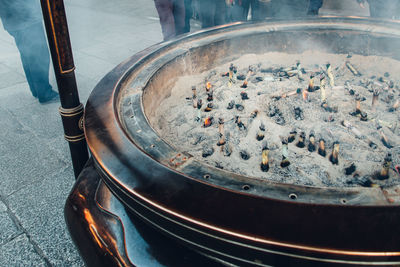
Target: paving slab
{"x":20,"y":252}
{"x":10,"y":78}
{"x":25,"y":158}
{"x":42,"y":121}
{"x":85,"y":86}
{"x":92,"y":67}
{"x":3,"y":207}
{"x":17,"y":96}
{"x":8,"y":228}
{"x":39,"y":208}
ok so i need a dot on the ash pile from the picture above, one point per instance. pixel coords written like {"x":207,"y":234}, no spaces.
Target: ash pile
{"x":314,"y":119}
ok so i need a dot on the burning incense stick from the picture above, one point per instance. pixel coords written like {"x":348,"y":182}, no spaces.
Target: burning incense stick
{"x":384,"y":173}
{"x":322,"y":87}
{"x":321,"y":147}
{"x":244,"y":95}
{"x":230,"y":81}
{"x":285,"y":154}
{"x":208,"y":122}
{"x":209,"y":107}
{"x":208,"y":86}
{"x":221,"y":141}
{"x":239,"y":123}
{"x":300,"y":143}
{"x":311,"y":144}
{"x":355,"y":131}
{"x":254,"y":114}
{"x":198,"y":105}
{"x":330,"y":75}
{"x":245,"y":82}
{"x":194,"y":96}
{"x":375,"y":97}
{"x":264,"y":155}
{"x":334,"y":157}
{"x":292,"y":135}
{"x":299,"y":71}
{"x":260,"y":134}
{"x":305,"y":95}
{"x":311,"y":84}
{"x":395,"y":106}
{"x":194,"y":92}
{"x":231,"y":105}
{"x":358,"y":104}
{"x":363,"y":116}
{"x":210,"y":96}
{"x":284,"y":95}
{"x":385,"y":140}
{"x":352,"y":69}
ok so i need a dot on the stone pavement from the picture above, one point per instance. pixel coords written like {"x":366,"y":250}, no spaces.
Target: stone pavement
{"x":35,"y":166}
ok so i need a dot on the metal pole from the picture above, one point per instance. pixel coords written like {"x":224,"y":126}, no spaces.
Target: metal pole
{"x":71,"y":109}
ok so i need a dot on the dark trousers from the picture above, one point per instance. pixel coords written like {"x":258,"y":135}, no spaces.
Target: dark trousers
{"x":188,"y":14}
{"x":314,"y":7}
{"x":32,"y":45}
{"x":257,"y":9}
{"x":172,"y":17}
{"x":212,"y":13}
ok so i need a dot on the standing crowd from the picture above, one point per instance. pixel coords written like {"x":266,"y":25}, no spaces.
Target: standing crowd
{"x":175,"y":15}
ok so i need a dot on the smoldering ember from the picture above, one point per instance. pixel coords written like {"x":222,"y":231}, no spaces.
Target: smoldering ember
{"x":314,"y":119}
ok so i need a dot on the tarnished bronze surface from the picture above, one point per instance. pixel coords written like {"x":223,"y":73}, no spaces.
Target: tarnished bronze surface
{"x":241,"y":220}
{"x":107,"y":235}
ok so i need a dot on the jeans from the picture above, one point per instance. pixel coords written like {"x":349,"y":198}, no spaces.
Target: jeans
{"x":172,"y":17}
{"x":212,"y":13}
{"x":258,"y":9}
{"x":32,"y":45}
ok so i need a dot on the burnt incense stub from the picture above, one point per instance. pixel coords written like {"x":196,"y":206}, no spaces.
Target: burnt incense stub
{"x":289,"y":105}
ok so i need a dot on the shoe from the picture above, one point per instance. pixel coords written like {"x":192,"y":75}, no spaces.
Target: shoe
{"x":50,"y":97}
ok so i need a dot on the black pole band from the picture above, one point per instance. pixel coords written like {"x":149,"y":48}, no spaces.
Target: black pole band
{"x":71,"y":109}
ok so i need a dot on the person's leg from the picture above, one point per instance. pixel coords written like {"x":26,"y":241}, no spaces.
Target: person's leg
{"x":257,"y":11}
{"x":219,"y":12}
{"x":164,"y":9}
{"x":19,"y":41}
{"x":246,"y":7}
{"x":207,"y":13}
{"x":314,"y":7}
{"x":229,"y":14}
{"x":236,"y":11}
{"x":262,"y":10}
{"x":179,"y":16}
{"x":32,"y":45}
{"x":188,"y":14}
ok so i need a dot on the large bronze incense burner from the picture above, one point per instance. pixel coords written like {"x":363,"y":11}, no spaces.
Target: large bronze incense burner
{"x":224,"y":215}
